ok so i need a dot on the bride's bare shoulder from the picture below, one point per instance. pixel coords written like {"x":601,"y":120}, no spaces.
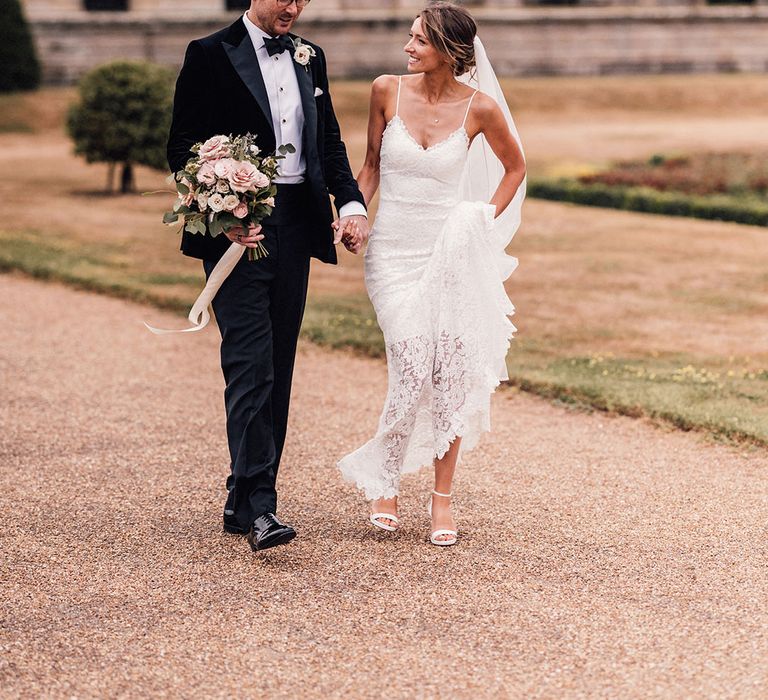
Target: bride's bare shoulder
{"x":384,"y":84}
{"x":485,"y":116}
{"x":383,"y":91}
{"x":484,"y":105}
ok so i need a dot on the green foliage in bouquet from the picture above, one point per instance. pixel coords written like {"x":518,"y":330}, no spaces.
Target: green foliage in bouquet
{"x":123,"y":117}
{"x":20,"y":68}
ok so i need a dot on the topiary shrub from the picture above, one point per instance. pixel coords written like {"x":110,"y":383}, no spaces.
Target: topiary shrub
{"x":123,"y":118}
{"x":19,"y":67}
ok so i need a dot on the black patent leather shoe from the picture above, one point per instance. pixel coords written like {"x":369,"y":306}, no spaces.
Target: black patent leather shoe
{"x":267,"y":531}
{"x":233,"y":526}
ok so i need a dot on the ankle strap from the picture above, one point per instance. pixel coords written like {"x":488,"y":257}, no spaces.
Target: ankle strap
{"x":444,"y":495}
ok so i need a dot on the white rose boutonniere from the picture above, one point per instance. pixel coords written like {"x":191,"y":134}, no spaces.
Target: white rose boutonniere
{"x":303,"y":53}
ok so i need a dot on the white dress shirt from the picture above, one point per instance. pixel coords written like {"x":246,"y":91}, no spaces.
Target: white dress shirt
{"x":287,"y":112}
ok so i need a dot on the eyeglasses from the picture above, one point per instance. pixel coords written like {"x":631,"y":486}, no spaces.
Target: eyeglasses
{"x":299,"y":3}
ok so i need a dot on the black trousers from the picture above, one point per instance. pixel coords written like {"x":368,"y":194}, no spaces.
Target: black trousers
{"x":259,"y":309}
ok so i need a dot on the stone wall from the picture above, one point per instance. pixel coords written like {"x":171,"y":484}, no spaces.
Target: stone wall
{"x":362,"y":43}
{"x":40,"y":9}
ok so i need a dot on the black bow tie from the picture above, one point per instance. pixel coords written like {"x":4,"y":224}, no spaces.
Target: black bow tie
{"x":278,"y":44}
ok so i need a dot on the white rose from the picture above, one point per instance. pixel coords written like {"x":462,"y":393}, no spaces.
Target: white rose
{"x":302,"y":54}
{"x":222,"y":186}
{"x":231,"y":201}
{"x":216,"y":202}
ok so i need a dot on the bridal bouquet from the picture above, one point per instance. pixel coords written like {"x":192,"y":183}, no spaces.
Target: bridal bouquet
{"x":226,"y":184}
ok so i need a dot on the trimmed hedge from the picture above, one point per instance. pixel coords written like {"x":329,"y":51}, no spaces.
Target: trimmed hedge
{"x":717,"y":207}
{"x":19,"y":67}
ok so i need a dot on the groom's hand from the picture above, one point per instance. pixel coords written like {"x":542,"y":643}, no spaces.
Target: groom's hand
{"x":249,"y":238}
{"x":352,"y":231}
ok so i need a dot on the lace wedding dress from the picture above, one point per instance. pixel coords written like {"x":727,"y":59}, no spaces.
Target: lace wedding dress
{"x":434,"y":270}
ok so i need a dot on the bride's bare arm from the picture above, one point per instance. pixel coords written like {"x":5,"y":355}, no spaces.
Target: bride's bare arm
{"x":489,"y":121}
{"x":382,"y":94}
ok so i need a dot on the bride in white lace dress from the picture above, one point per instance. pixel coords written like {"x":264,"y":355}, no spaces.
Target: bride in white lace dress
{"x":435,"y":264}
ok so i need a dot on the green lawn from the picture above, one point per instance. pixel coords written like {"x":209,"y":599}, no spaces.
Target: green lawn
{"x":726,"y":397}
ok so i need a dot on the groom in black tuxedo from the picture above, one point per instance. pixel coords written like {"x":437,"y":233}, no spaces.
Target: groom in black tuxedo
{"x":251,"y":77}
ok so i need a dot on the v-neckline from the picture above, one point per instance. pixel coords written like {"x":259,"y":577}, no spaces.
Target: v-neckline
{"x":431,"y":146}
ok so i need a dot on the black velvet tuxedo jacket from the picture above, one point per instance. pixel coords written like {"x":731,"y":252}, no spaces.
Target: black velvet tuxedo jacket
{"x":220,"y":90}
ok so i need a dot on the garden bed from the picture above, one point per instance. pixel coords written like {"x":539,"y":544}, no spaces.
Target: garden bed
{"x":722,"y":186}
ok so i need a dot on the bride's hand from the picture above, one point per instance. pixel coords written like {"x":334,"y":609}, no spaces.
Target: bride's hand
{"x":354,"y":232}
{"x":249,"y":240}
{"x":347,"y":231}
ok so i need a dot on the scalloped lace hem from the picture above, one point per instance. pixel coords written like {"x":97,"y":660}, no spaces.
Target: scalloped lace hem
{"x":410,"y":438}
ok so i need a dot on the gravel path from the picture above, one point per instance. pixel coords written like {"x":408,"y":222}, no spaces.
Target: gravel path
{"x":599,"y":556}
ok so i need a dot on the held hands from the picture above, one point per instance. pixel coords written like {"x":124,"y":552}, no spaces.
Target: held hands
{"x":249,"y":239}
{"x":352,"y":231}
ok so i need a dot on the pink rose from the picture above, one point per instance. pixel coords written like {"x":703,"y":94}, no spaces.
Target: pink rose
{"x":185,"y":199}
{"x":206,"y":174}
{"x":224,"y":167}
{"x":244,"y":177}
{"x":240,"y":210}
{"x":261,"y":179}
{"x":215,"y":147}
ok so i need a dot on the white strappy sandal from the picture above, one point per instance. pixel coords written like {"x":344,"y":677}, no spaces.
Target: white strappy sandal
{"x":438,"y":533}
{"x":376,"y":522}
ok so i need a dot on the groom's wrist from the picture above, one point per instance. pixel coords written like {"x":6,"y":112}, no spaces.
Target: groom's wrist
{"x":352,"y":209}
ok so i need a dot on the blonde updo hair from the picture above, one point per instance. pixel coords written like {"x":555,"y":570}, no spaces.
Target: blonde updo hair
{"x":451,"y":30}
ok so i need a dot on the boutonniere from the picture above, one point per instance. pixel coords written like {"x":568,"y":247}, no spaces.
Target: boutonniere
{"x":302,"y":53}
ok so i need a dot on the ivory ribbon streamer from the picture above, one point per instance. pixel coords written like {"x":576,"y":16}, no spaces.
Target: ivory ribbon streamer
{"x":199,"y":314}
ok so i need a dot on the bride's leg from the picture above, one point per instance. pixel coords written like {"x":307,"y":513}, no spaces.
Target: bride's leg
{"x":408,"y":363}
{"x":445,"y":467}
{"x":385,"y":505}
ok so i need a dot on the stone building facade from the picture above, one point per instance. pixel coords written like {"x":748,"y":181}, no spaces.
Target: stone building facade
{"x":365,"y":37}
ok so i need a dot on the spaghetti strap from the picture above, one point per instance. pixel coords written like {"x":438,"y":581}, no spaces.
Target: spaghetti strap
{"x":466,"y":114}
{"x":397,"y":104}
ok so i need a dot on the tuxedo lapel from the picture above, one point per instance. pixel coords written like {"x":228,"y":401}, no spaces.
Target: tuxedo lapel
{"x":307,"y":91}
{"x":243,"y":58}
